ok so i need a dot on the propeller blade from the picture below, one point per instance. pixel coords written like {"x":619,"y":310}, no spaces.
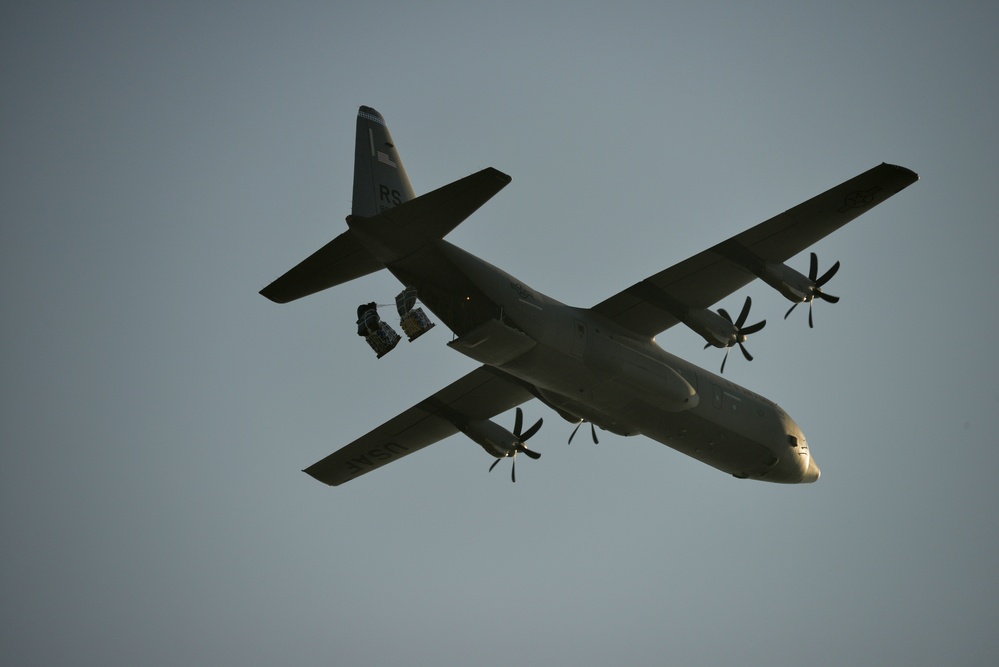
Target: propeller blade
{"x":531,"y":453}
{"x":724,"y":313}
{"x":790,"y":309}
{"x":753,"y":328}
{"x":827,"y":275}
{"x":531,"y":431}
{"x":518,"y":422}
{"x":813,"y":266}
{"x":745,"y":352}
{"x":828,"y":297}
{"x":494,"y":464}
{"x":513,"y":469}
{"x":593,"y":432}
{"x":724,"y":359}
{"x":744,"y":314}
{"x":811,"y":325}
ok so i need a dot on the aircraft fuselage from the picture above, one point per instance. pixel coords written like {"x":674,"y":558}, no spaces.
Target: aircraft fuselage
{"x":588,"y":368}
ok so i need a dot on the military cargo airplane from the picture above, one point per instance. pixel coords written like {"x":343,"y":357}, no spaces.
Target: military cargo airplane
{"x":599,"y":365}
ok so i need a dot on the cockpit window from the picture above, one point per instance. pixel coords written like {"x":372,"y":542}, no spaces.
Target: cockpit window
{"x":793,"y":441}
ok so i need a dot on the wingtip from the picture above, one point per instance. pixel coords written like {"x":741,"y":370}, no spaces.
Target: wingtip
{"x":903,"y":170}
{"x":271,"y":295}
{"x":501,"y":176}
{"x":308,"y":471}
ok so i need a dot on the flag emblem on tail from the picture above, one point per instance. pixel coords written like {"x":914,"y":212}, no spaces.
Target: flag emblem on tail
{"x":385,"y":159}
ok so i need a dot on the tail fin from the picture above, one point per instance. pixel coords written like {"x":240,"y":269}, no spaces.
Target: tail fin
{"x":380,"y":180}
{"x":388,"y":221}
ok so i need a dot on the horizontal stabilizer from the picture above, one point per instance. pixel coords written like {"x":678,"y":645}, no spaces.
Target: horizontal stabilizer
{"x":339,"y":261}
{"x":373,"y":242}
{"x":400,"y":231}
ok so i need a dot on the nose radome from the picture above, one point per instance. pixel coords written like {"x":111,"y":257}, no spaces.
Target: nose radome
{"x":812,"y":473}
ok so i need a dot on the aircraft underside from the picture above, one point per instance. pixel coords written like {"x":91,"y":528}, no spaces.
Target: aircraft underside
{"x":599,"y":365}
{"x":575,"y":387}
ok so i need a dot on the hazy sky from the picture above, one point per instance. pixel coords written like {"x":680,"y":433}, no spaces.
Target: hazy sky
{"x":161,"y":162}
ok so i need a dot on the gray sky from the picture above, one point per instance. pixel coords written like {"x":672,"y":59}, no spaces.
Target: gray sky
{"x":162,"y":162}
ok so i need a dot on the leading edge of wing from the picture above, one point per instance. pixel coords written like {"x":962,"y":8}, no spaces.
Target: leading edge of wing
{"x":481,"y":394}
{"x":649,"y":306}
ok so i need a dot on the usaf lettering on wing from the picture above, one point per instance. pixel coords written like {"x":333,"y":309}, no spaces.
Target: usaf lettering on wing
{"x":375,"y":457}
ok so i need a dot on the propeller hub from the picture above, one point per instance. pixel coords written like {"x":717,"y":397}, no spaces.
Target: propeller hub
{"x":815,"y":287}
{"x":518,"y":446}
{"x":740,"y":332}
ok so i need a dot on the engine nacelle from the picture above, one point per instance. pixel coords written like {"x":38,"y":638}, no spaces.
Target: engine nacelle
{"x":712,"y":327}
{"x":496,"y":440}
{"x":793,"y":285}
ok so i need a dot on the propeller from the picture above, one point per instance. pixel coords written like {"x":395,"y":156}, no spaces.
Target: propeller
{"x":741,"y":331}
{"x":519,"y":446}
{"x":593,"y":432}
{"x":816,"y":288}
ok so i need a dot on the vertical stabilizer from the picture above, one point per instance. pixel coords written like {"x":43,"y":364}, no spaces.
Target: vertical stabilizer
{"x":380,"y":180}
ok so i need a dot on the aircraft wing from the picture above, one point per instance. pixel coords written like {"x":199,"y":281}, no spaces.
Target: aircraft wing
{"x":483,"y":393}
{"x":704,"y":279}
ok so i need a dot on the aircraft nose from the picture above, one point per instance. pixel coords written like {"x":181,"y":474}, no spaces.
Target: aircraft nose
{"x":812,"y":473}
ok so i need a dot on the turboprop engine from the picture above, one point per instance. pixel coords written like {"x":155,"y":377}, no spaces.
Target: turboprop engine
{"x":720,"y":330}
{"x":501,"y":443}
{"x":798,"y":288}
